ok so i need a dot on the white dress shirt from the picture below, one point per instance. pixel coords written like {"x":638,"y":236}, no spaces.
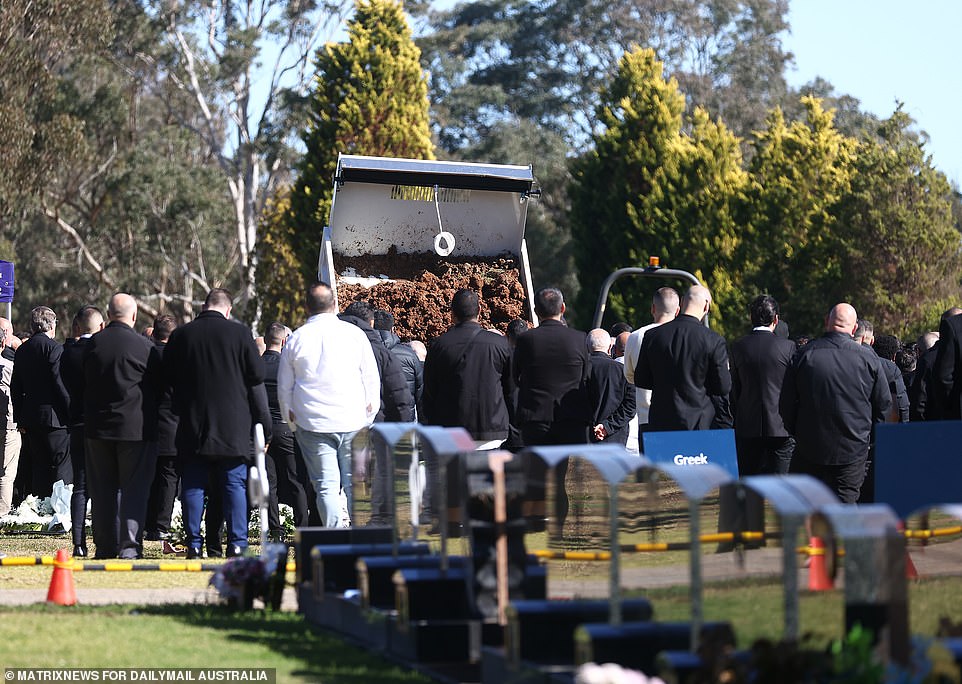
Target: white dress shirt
{"x":327,"y":380}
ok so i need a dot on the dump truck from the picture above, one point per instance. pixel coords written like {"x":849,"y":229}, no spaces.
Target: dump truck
{"x":390,"y":210}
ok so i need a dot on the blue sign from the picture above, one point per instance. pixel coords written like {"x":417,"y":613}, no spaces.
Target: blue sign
{"x":918,"y":465}
{"x":693,"y":448}
{"x":6,"y":281}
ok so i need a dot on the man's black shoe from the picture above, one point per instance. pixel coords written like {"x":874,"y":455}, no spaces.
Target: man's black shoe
{"x":234,"y":550}
{"x":80,"y":551}
{"x":194,"y":552}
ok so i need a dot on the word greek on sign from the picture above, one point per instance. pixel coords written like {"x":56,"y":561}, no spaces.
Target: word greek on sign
{"x":129,"y":674}
{"x":681,"y":459}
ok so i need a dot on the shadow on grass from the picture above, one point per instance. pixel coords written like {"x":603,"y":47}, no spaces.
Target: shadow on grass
{"x":325,"y":657}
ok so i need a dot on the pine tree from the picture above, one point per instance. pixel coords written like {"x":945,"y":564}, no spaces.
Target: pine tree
{"x":648,"y":188}
{"x":369,"y":97}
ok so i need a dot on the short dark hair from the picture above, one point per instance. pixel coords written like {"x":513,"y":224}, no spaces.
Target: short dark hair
{"x":887,"y":346}
{"x":276,"y":332}
{"x":383,"y":319}
{"x":42,"y":319}
{"x":863,"y":326}
{"x":619,"y":328}
{"x":164,"y":324}
{"x":218,"y":297}
{"x":907,"y":359}
{"x":359,"y":309}
{"x":763,"y":310}
{"x":86,"y":315}
{"x":548,"y":302}
{"x":465,"y":305}
{"x":516,"y":328}
{"x":319,"y":299}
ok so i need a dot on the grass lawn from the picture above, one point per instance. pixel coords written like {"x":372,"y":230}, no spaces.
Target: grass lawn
{"x":186,"y":636}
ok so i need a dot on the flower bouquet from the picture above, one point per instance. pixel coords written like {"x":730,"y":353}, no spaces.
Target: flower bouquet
{"x":241,"y":580}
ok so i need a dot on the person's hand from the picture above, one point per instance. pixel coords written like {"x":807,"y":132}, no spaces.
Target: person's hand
{"x":600,"y":432}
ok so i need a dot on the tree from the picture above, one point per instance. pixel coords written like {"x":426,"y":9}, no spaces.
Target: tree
{"x":900,"y":248}
{"x":798,"y":172}
{"x":496,"y":61}
{"x":37,"y":39}
{"x":647,"y":188}
{"x":139,"y":207}
{"x":370,"y":97}
{"x":217,"y":50}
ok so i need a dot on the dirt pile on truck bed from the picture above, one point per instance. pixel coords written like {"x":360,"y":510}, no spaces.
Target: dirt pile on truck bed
{"x":419,"y":293}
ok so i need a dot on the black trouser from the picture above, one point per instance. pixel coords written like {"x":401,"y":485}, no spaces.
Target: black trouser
{"x":844,"y":479}
{"x":119,"y":475}
{"x":543,"y":434}
{"x":78,"y":500}
{"x":50,"y":451}
{"x":163,"y":491}
{"x":281,"y":463}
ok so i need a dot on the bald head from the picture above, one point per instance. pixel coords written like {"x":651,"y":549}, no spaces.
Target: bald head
{"x":842,"y":318}
{"x":599,"y":340}
{"x":122,"y":308}
{"x":696,"y":302}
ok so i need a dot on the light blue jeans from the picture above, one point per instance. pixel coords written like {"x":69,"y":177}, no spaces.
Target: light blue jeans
{"x":327,"y":456}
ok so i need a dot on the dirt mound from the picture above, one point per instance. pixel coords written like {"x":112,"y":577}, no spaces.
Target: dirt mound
{"x":422,"y":285}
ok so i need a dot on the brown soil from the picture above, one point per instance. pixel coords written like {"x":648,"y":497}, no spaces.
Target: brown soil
{"x":420,"y":296}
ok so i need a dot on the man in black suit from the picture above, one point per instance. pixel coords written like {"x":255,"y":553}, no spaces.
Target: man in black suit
{"x":88,"y":321}
{"x":216,"y":373}
{"x":758,"y":364}
{"x":122,"y":384}
{"x":612,"y":398}
{"x":467,"y":376}
{"x":283,"y":456}
{"x":551,"y":369}
{"x":759,"y":361}
{"x":946,"y":387}
{"x":685,"y":365}
{"x":163,"y":490}
{"x":41,"y":403}
{"x":832,"y":396}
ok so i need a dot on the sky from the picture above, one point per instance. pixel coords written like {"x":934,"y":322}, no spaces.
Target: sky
{"x":884,"y":51}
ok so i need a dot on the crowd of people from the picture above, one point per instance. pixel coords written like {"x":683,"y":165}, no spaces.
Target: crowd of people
{"x":134,"y":420}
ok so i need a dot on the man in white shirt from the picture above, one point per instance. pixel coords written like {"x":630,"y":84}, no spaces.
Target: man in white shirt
{"x":664,"y":308}
{"x":328,"y":388}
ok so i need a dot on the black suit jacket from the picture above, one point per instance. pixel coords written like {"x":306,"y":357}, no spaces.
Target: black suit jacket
{"x":833,"y":394}
{"x":166,"y":418}
{"x":923,"y":400}
{"x":213,"y":366}
{"x":122,"y":385}
{"x":684,"y":364}
{"x":467,"y":382}
{"x":37,"y":390}
{"x":611,"y":396}
{"x":551,"y":370}
{"x":759,"y":361}
{"x":946,"y":372}
{"x":72,"y":372}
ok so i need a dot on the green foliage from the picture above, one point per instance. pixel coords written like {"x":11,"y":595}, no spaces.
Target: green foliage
{"x":369,"y":97}
{"x":648,"y":188}
{"x":280,"y":280}
{"x":798,"y":173}
{"x":138,"y":207}
{"x":900,"y":249}
{"x":37,"y":40}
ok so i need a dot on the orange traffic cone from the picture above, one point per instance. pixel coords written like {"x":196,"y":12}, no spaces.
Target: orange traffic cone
{"x":62,"y":590}
{"x":818,"y":579}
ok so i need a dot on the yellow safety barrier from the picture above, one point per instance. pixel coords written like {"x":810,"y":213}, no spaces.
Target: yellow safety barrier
{"x":121,"y":566}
